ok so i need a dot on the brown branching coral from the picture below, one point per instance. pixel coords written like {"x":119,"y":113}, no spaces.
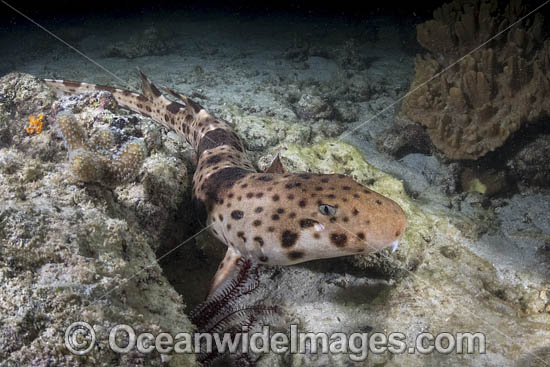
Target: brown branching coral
{"x":472,"y":108}
{"x":93,"y":161}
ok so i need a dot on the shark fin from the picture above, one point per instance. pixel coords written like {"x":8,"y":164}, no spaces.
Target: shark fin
{"x":276,"y":166}
{"x":148,"y":88}
{"x":227,"y":270}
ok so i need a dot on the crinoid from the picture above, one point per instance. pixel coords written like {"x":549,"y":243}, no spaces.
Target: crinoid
{"x":223,"y":316}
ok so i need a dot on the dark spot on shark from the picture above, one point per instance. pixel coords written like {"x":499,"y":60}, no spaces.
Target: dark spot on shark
{"x":214,"y":159}
{"x":295,"y":255}
{"x":338,"y":239}
{"x":237,"y":214}
{"x":307,"y":223}
{"x":288,"y":238}
{"x":241,"y":235}
{"x":224,"y":178}
{"x":174,"y":107}
{"x":216,"y":138}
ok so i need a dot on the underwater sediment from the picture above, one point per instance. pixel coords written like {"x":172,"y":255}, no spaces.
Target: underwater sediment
{"x":84,"y":228}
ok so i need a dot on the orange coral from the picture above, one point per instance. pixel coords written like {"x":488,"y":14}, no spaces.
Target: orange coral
{"x":36,"y":124}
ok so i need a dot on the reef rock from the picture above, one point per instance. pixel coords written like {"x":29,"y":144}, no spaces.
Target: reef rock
{"x":529,"y":166}
{"x":399,"y":141}
{"x":440,"y":280}
{"x":150,"y":42}
{"x":471,"y":108}
{"x":73,"y":251}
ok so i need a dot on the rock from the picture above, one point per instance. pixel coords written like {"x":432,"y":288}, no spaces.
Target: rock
{"x":399,"y":141}
{"x":484,"y":181}
{"x":346,"y":111}
{"x":468,"y":108}
{"x":261,"y":133}
{"x":529,"y":166}
{"x":438,"y":274}
{"x":313,"y":107}
{"x":75,"y":252}
{"x":150,"y":42}
{"x":21,"y":96}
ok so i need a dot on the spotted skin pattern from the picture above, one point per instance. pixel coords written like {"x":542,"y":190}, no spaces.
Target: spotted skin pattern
{"x":270,"y":218}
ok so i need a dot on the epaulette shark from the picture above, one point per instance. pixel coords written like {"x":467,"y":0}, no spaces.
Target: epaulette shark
{"x":272,"y":217}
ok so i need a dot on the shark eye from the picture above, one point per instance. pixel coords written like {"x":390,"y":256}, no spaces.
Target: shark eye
{"x":326,"y":209}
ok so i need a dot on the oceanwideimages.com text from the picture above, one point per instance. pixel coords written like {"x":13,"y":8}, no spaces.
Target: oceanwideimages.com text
{"x":80,"y":338}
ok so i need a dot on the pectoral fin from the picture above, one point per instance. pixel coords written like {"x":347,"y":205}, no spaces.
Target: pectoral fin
{"x":227,"y":270}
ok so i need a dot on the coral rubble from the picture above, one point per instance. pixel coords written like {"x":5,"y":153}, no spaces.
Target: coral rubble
{"x":94,"y":162}
{"x":471,"y":108}
{"x":72,"y":252}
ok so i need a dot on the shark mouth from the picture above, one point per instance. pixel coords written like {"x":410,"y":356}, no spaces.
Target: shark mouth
{"x":394,"y":246}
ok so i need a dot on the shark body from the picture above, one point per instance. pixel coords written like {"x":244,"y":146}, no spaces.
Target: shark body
{"x":272,"y":218}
